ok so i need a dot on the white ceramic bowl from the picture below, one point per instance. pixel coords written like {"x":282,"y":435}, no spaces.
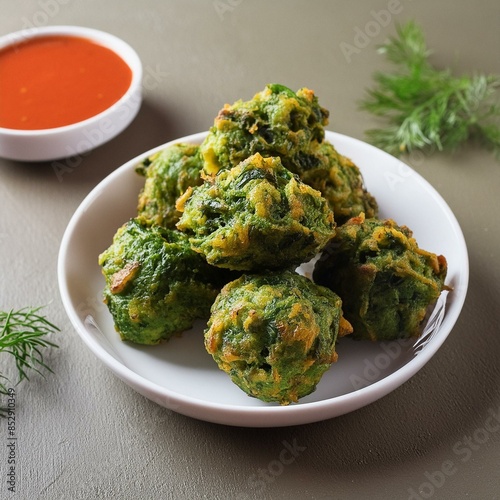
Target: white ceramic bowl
{"x":81,"y":137}
{"x":180,"y":375}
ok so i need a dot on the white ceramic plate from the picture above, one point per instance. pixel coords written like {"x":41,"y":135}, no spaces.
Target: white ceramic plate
{"x":180,"y":375}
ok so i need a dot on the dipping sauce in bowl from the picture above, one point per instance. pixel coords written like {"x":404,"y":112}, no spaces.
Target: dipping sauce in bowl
{"x":57,"y":80}
{"x":64,"y":90}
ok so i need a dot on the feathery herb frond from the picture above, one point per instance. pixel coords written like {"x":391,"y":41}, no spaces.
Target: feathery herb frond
{"x":429,"y":108}
{"x":22,"y":335}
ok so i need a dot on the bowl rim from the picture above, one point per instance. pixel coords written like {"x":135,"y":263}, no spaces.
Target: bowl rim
{"x":108,"y":40}
{"x":258,"y":416}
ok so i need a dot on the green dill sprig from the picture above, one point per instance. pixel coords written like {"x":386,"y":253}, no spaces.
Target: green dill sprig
{"x":426,"y":108}
{"x":22,"y":336}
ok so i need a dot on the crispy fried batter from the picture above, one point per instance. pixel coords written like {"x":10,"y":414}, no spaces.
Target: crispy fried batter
{"x":169,"y":173}
{"x":256,"y":216}
{"x":385,"y":280}
{"x":275,"y":334}
{"x":151,"y":277}
{"x":276,"y":122}
{"x":281,"y":123}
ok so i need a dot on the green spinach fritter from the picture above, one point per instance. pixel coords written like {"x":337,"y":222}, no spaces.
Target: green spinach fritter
{"x":279,"y":122}
{"x":276,"y":122}
{"x":275,"y":334}
{"x":168,"y":174}
{"x":340,"y":182}
{"x":256,"y":216}
{"x":156,"y":286}
{"x":385,"y":280}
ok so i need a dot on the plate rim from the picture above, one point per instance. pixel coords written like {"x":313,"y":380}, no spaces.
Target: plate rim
{"x":245,"y":416}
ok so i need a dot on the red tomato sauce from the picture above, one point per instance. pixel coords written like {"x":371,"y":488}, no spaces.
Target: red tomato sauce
{"x":53,"y":81}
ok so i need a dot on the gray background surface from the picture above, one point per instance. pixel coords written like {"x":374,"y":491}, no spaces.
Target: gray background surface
{"x":84,"y":434}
